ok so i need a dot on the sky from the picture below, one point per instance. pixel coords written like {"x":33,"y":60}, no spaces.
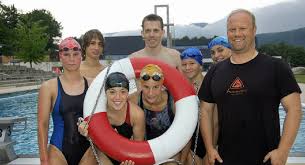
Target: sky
{"x":77,"y":17}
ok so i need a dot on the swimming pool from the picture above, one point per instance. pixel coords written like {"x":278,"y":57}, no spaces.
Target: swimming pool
{"x":25,"y":104}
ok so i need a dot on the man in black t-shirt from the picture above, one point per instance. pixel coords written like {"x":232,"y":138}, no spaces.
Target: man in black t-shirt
{"x":248,"y":88}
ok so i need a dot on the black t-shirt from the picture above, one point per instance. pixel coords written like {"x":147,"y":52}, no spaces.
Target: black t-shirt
{"x":248,"y":97}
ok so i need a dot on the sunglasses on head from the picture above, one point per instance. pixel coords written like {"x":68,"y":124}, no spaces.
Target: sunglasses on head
{"x":155,"y":77}
{"x":65,"y":49}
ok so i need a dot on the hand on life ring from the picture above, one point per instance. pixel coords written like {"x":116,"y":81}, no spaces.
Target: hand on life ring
{"x":154,"y":150}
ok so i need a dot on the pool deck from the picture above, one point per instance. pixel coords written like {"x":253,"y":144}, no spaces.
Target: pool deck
{"x":12,"y":89}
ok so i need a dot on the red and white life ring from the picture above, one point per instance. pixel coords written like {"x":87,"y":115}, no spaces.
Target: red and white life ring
{"x":151,"y":151}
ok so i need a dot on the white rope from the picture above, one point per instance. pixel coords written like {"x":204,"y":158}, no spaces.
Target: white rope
{"x":197,"y":134}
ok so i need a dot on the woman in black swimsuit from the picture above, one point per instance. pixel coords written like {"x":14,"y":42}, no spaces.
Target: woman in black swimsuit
{"x":125,"y":117}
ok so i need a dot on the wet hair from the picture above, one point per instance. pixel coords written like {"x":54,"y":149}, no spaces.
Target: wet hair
{"x":153,"y":17}
{"x":243,"y":11}
{"x":88,"y":36}
{"x":116,"y":79}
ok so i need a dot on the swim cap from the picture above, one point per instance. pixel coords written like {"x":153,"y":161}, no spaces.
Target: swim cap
{"x":221,"y":40}
{"x":152,"y":71}
{"x":69,"y":43}
{"x":116,"y":79}
{"x":193,"y":53}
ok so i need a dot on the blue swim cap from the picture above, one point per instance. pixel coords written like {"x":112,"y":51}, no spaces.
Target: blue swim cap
{"x":221,"y":40}
{"x":193,"y":53}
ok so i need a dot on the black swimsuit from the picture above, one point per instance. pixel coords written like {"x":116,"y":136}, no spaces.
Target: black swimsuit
{"x":124,"y":129}
{"x":65,"y":115}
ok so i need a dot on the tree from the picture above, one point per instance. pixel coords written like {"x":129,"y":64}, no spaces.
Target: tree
{"x":45,"y":19}
{"x":294,"y":55}
{"x":8,"y":22}
{"x":31,"y":42}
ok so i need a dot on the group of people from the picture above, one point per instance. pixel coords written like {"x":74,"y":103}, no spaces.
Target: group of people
{"x":239,"y":99}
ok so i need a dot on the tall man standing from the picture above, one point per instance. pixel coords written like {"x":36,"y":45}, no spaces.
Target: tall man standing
{"x":248,"y":88}
{"x":152,"y":33}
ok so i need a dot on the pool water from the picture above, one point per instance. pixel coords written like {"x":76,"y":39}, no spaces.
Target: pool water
{"x":25,"y":104}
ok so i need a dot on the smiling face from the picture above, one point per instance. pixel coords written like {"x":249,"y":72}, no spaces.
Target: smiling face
{"x":152,"y":33}
{"x":219,"y":53}
{"x":190,"y":68}
{"x":116,"y":98}
{"x":241,"y":32}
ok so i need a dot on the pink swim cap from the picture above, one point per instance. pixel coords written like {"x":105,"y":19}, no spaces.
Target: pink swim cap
{"x":69,"y":43}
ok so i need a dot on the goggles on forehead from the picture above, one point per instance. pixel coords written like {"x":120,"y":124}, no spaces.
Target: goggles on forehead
{"x":184,"y":55}
{"x":65,"y":49}
{"x":154,"y":76}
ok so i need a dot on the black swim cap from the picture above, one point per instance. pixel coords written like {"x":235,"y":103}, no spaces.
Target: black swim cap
{"x":116,"y":79}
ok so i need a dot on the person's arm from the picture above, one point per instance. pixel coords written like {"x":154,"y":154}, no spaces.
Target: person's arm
{"x":138,"y":127}
{"x":134,"y":97}
{"x":185,"y":151}
{"x":44,"y":109}
{"x":215,"y":126}
{"x":178,"y":60}
{"x":206,"y":124}
{"x":292,"y":106}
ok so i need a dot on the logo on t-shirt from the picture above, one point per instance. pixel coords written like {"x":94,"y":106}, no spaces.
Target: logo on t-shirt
{"x":237,"y":87}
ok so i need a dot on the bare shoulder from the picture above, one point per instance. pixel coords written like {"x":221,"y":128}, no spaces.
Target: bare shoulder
{"x":174,"y":52}
{"x":137,"y":54}
{"x":49,"y":86}
{"x":174,"y":55}
{"x":134,"y":97}
{"x":136,"y":111}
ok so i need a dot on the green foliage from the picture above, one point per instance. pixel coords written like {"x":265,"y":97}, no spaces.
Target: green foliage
{"x":8,"y":22}
{"x":45,"y":19}
{"x":32,"y":41}
{"x":294,"y":55}
{"x":25,"y":34}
